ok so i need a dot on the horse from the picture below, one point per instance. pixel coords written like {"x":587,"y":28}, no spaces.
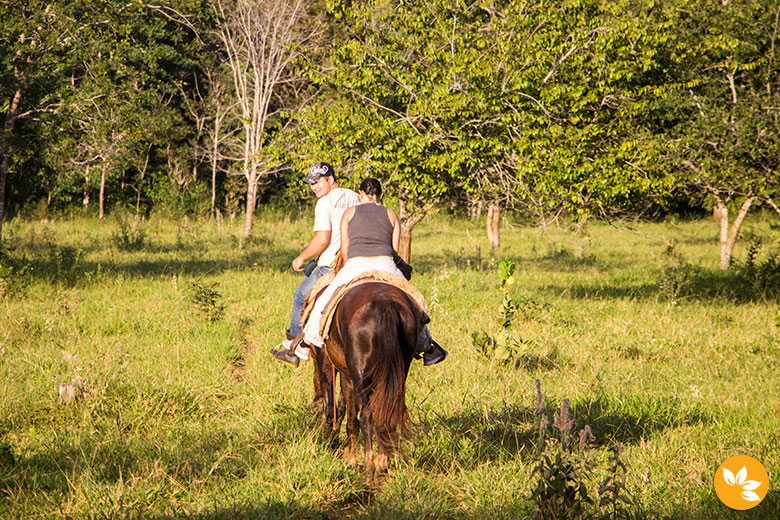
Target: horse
{"x":371,"y":342}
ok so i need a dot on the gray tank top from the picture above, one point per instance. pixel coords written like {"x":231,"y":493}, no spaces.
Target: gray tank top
{"x":370,"y":232}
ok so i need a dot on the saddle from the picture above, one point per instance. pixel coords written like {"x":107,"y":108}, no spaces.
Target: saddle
{"x":370,"y":276}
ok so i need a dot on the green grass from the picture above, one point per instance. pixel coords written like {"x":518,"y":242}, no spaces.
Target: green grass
{"x":189,"y":417}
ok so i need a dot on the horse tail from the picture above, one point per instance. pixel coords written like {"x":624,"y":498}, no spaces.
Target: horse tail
{"x":386,"y":391}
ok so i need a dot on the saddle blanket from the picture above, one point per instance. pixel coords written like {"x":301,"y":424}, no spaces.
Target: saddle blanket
{"x":369,"y":276}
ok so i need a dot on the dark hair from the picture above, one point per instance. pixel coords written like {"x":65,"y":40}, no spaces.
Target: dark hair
{"x":371,"y":186}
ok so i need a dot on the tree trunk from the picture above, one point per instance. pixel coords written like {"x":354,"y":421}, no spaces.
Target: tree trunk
{"x":728,"y":237}
{"x":492,"y":224}
{"x":85,"y":199}
{"x":408,"y":220}
{"x":772,"y":204}
{"x":101,"y":212}
{"x":214,"y":156}
{"x":721,"y":214}
{"x":405,"y":244}
{"x":5,"y":144}
{"x":251,"y":200}
{"x":3,"y":175}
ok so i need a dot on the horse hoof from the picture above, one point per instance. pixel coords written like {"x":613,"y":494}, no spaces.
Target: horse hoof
{"x":381,"y":463}
{"x":350,"y":458}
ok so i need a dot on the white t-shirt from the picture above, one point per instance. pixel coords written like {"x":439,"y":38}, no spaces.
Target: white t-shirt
{"x":327,"y":217}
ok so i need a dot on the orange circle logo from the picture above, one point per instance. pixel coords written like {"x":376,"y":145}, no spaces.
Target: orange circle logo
{"x":741,"y":482}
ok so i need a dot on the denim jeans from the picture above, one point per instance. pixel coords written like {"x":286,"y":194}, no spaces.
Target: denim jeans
{"x":300,"y":295}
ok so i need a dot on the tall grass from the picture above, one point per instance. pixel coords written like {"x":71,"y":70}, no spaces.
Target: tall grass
{"x":187,"y":416}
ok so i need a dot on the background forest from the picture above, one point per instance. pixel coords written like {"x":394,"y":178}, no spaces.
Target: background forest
{"x":151,"y":157}
{"x":577,"y":107}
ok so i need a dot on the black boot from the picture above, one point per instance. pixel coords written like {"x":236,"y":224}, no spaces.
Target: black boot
{"x":287,"y":354}
{"x":435,"y":354}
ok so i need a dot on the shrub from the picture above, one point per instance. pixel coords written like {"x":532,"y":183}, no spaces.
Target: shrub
{"x":564,"y":468}
{"x":763,"y":276}
{"x":563,"y":465}
{"x":208,"y":300}
{"x":503,"y":345}
{"x":130,"y":236}
{"x":13,"y":281}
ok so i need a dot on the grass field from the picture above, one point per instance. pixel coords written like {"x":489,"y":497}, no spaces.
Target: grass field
{"x":187,"y":416}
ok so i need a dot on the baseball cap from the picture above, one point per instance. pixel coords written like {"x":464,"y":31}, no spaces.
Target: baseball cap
{"x":318,"y":170}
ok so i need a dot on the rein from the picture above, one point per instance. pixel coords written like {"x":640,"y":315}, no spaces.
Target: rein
{"x":333,"y":397}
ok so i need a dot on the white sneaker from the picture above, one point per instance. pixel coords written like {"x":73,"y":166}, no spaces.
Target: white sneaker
{"x":302,"y":352}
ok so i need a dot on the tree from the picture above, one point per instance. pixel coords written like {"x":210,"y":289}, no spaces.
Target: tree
{"x":117,"y":107}
{"x":260,"y":40}
{"x":498,"y":101}
{"x":32,"y":58}
{"x":213,"y":112}
{"x":727,"y":101}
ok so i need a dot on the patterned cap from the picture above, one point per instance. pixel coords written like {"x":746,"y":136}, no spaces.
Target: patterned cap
{"x":318,"y":170}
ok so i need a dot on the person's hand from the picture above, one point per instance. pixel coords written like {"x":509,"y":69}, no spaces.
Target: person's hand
{"x":297,"y":264}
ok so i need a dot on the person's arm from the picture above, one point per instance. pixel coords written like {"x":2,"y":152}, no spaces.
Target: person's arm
{"x":344,"y":227}
{"x":396,"y":229}
{"x":318,"y":243}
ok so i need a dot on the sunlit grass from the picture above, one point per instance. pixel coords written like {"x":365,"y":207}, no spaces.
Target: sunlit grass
{"x":189,"y":416}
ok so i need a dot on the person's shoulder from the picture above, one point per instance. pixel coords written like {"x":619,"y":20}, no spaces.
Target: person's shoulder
{"x":349,"y":194}
{"x":344,"y":198}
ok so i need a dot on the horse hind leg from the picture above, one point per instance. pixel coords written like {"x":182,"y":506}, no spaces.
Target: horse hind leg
{"x":318,"y":400}
{"x":368,"y":441}
{"x":387,"y":446}
{"x":353,"y":426}
{"x":324,"y":396}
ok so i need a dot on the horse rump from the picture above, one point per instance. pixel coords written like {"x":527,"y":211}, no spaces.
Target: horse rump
{"x":378,"y":335}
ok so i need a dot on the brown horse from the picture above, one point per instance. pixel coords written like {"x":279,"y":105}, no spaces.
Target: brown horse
{"x":371,"y":343}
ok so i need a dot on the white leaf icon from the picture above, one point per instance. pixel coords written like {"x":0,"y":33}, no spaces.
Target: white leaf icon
{"x":750,"y":485}
{"x":741,"y":475}
{"x":750,"y":496}
{"x":728,"y":476}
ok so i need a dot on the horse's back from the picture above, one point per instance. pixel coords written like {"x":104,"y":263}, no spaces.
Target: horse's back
{"x":382,"y":308}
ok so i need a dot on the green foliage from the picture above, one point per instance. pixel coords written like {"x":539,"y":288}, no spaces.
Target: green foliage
{"x":131,"y":236}
{"x":761,"y":275}
{"x":614,"y":501}
{"x":13,"y":281}
{"x":718,"y":109}
{"x":563,"y":467}
{"x":208,"y":300}
{"x":65,"y":260}
{"x":502,"y":345}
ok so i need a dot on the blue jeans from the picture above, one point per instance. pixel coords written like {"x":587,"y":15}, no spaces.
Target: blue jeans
{"x":300,"y":295}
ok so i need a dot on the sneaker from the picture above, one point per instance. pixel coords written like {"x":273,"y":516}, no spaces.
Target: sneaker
{"x":302,"y":351}
{"x":435,"y":355}
{"x":284,"y":345}
{"x":284,"y":354}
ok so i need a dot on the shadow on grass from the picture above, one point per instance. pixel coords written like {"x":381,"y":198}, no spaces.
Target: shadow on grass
{"x":50,"y":268}
{"x":710,"y":507}
{"x":561,"y":260}
{"x":678,"y":284}
{"x":474,"y":437}
{"x":272,"y":510}
{"x":633,"y":418}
